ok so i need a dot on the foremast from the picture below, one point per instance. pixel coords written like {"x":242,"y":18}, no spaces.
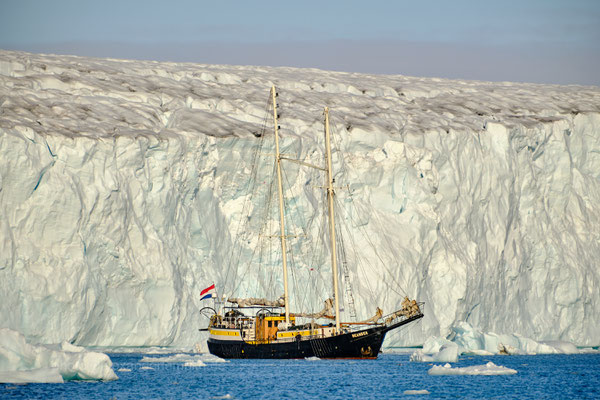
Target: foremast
{"x":330,"y":194}
{"x":281,"y":215}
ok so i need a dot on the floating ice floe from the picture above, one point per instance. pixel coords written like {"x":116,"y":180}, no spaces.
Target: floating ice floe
{"x":144,"y":349}
{"x":423,"y":391}
{"x":21,"y":361}
{"x":488,"y":369}
{"x":189,"y":360}
{"x":447,"y":353}
{"x":124,"y":370}
{"x":197,"y":363}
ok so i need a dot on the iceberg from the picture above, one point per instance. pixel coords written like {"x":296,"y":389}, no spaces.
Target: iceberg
{"x":448,"y":353}
{"x":434,"y":344}
{"x":470,"y":340}
{"x":21,"y":361}
{"x":121,"y":188}
{"x":487,"y":369}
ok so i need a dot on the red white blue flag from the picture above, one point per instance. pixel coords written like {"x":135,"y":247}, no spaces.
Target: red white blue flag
{"x":208,"y":293}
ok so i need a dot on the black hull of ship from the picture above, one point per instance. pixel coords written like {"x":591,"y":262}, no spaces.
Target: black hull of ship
{"x":363,"y":344}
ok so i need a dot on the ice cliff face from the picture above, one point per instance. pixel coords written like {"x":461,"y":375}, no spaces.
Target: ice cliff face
{"x":119,"y":194}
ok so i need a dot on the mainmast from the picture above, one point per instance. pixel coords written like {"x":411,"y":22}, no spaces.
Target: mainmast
{"x":332,"y":223}
{"x":281,"y":219}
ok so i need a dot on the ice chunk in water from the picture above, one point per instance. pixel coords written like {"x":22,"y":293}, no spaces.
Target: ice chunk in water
{"x":193,"y":360}
{"x":423,"y":391}
{"x":488,"y":369}
{"x":24,"y":360}
{"x":447,"y":353}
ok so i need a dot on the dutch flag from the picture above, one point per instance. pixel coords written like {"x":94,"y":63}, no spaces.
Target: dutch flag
{"x":208,"y":292}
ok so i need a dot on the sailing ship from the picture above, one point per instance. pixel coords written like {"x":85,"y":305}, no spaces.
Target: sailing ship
{"x":262,"y":328}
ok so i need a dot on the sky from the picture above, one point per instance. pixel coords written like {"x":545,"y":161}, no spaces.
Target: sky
{"x":540,"y":41}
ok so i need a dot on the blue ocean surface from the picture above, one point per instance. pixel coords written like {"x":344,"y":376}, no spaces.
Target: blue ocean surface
{"x":388,"y":377}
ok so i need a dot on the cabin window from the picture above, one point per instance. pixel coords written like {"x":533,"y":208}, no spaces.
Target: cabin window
{"x":270,"y":324}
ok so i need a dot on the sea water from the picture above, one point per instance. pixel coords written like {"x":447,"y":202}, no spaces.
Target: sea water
{"x":391,"y":376}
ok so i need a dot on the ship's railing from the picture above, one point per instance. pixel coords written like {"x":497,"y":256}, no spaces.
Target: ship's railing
{"x":290,"y":339}
{"x":233,"y":322}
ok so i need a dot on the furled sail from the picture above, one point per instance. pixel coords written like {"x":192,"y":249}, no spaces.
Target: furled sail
{"x":409,"y":309}
{"x":252,"y":301}
{"x":374,"y":318}
{"x":326,"y":312}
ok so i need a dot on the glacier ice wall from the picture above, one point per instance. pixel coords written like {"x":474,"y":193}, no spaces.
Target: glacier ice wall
{"x":121,"y":183}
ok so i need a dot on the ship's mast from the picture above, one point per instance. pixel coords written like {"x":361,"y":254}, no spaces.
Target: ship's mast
{"x":332,"y":222}
{"x":281,"y":219}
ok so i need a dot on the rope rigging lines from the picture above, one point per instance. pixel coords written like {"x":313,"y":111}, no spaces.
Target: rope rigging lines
{"x":258,"y":256}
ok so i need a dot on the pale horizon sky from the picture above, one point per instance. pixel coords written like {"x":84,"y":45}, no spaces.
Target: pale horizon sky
{"x":541,"y":41}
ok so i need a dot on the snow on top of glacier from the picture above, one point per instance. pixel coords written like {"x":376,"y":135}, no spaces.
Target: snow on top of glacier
{"x":78,"y":96}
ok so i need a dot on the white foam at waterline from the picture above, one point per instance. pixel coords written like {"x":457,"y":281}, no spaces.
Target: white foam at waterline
{"x":177,"y":358}
{"x":184,"y":358}
{"x":211,"y":358}
{"x":475,"y":352}
{"x":146,"y":368}
{"x":225,"y":396}
{"x":423,"y":391}
{"x":142,"y":350}
{"x":312,"y":358}
{"x":488,"y":369}
{"x":40,"y":375}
